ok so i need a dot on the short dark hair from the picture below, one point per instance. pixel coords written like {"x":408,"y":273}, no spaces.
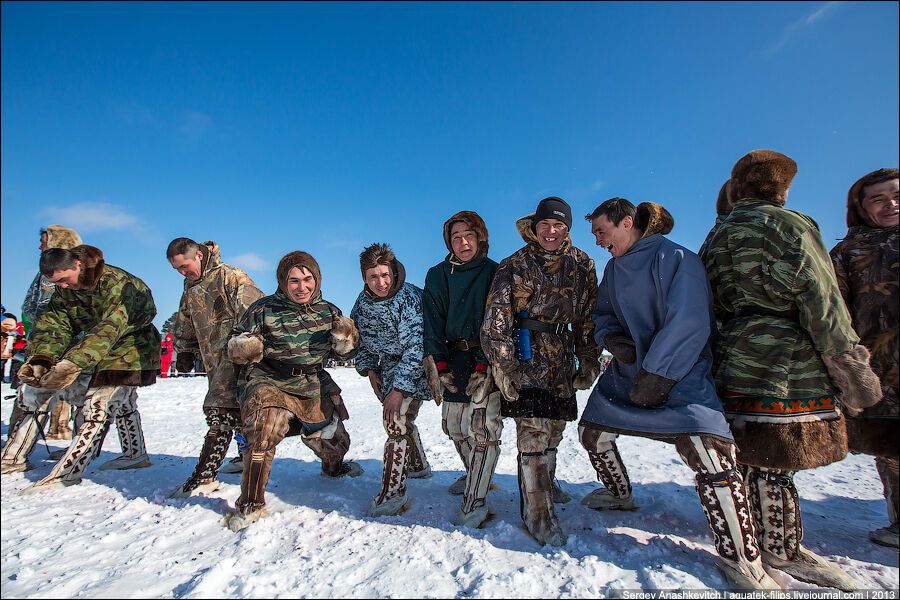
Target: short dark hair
{"x":182,"y":245}
{"x":375,"y":255}
{"x":56,"y":259}
{"x":615,"y":210}
{"x":879,"y":176}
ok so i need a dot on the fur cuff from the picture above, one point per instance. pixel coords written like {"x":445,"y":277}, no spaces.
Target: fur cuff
{"x":344,"y":336}
{"x":61,"y":376}
{"x":433,"y":378}
{"x":245,"y":348}
{"x":508,"y":383}
{"x":479,"y":386}
{"x":852,"y":375}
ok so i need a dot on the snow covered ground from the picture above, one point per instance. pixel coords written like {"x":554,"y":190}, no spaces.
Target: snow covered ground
{"x":118,"y":536}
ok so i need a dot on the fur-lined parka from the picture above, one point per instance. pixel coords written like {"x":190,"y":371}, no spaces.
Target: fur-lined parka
{"x":114,"y":310}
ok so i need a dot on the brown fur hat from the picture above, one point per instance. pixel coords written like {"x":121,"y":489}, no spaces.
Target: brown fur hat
{"x":62,"y":237}
{"x":763,"y":174}
{"x":92,"y":264}
{"x":724,"y":202}
{"x":855,"y":214}
{"x":381,"y":254}
{"x":475,"y":223}
{"x":651,"y":218}
{"x":302,"y":260}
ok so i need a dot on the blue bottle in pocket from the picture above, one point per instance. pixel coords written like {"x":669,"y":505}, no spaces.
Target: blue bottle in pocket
{"x":523,"y":340}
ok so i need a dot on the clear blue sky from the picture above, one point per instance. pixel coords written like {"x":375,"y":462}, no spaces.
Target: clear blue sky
{"x":276,"y":127}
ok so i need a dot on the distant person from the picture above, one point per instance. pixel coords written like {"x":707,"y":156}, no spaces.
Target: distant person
{"x":388,"y":313}
{"x":868,"y":269}
{"x":215,"y":297}
{"x":120,"y":346}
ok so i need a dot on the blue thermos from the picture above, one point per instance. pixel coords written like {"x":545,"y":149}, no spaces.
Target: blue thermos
{"x":523,"y":340}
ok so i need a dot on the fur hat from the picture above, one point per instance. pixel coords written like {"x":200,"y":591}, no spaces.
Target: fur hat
{"x":855,"y":214}
{"x":553,"y":208}
{"x":724,"y":202}
{"x":475,"y":223}
{"x":763,"y":174}
{"x":652,"y":218}
{"x":302,"y":260}
{"x":61,"y":237}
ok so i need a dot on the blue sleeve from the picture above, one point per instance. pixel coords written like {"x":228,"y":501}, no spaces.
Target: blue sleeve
{"x":687,"y":325}
{"x":365,"y":359}
{"x":411,"y":330}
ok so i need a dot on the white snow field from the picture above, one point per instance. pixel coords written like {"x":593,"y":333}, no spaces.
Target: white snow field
{"x":117,"y":535}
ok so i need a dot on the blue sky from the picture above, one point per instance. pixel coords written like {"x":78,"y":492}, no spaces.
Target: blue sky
{"x":325,"y":127}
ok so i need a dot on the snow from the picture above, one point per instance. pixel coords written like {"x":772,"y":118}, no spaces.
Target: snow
{"x":117,"y":535}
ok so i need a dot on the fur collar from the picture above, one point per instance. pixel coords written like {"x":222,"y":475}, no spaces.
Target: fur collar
{"x":92,"y":265}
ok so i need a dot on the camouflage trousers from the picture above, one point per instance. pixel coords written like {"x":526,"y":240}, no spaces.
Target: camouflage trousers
{"x":34,"y":408}
{"x":537,"y":440}
{"x":102,"y":405}
{"x":486,"y":426}
{"x":222,"y":423}
{"x":403,"y":451}
{"x":264,"y":430}
{"x":719,"y":484}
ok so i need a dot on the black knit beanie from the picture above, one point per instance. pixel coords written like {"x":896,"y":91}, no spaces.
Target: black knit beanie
{"x":553,"y":208}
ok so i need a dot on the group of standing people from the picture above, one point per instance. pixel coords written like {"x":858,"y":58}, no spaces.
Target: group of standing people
{"x":757,"y":358}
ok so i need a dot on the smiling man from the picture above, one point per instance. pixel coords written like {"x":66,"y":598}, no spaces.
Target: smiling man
{"x":214,"y":299}
{"x":546,"y":288}
{"x":868,"y":269}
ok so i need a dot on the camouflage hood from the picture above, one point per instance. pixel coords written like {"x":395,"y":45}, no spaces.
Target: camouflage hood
{"x":212,"y":258}
{"x":526,"y":224}
{"x":62,"y":237}
{"x":475,"y":223}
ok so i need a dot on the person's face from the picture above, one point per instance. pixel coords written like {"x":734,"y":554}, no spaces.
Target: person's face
{"x":880,"y":201}
{"x":379,"y":280}
{"x":550,"y":233}
{"x":301,"y":284}
{"x":463,"y":241}
{"x":190,"y":268}
{"x":617,"y":239}
{"x":43,"y":245}
{"x":67,"y":278}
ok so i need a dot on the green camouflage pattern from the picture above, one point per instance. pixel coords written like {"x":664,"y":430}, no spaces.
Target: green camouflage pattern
{"x":554,"y":287}
{"x":777,"y":301}
{"x":297,"y":335}
{"x":115,"y":315}
{"x":867,"y":267}
{"x":209,"y":309}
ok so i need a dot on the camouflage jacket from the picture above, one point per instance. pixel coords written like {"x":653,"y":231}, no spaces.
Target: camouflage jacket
{"x":778,"y":305}
{"x":294,"y":335}
{"x":209,"y":309}
{"x":867,"y":267}
{"x":554,"y":287}
{"x":115,"y":311}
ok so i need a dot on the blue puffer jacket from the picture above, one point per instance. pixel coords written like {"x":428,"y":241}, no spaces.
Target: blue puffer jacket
{"x":390,"y":339}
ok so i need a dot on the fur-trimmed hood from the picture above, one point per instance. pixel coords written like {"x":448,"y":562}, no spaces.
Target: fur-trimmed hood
{"x":856,"y":216}
{"x":475,"y":223}
{"x":763,"y":175}
{"x":724,"y":202}
{"x":526,"y":230}
{"x":653,"y":218}
{"x":92,"y":265}
{"x":299,"y":259}
{"x":59,"y":236}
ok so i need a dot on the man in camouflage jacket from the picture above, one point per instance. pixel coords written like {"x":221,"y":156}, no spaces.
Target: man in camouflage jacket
{"x":867,"y":268}
{"x":787,"y":361}
{"x":283,"y":341}
{"x":388,"y":313}
{"x":214,"y":299}
{"x":114,"y":310}
{"x":556,"y":284}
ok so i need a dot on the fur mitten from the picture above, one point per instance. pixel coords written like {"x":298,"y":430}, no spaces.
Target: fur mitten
{"x":508,"y":382}
{"x":62,"y":375}
{"x":479,"y":386}
{"x":245,"y":348}
{"x":588,"y":370}
{"x":433,"y":378}
{"x":184,"y":362}
{"x":649,"y":390}
{"x":621,"y":347}
{"x":852,"y":375}
{"x":344,"y":336}
{"x":30,"y":374}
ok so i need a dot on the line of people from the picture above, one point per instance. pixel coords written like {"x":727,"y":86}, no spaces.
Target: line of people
{"x":757,"y":358}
